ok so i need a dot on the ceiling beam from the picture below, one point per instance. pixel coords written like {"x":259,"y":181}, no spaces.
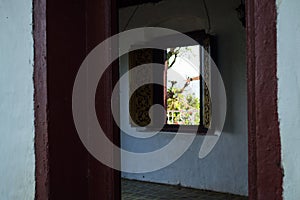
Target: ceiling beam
{"x":127,"y":3}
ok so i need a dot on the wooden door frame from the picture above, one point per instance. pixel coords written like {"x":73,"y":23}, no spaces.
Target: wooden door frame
{"x":40,"y":100}
{"x":64,"y":32}
{"x":265,"y":171}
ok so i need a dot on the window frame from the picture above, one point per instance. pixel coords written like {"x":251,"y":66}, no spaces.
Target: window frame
{"x":159,"y":95}
{"x":198,"y":36}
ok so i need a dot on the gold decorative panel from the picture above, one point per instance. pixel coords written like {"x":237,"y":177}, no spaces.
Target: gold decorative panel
{"x":206,"y":73}
{"x":142,"y":99}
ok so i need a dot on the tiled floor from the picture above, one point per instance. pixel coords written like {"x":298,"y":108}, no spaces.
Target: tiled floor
{"x":135,"y":190}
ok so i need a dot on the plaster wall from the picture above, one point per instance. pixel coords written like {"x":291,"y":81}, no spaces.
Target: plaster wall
{"x":288,"y":47}
{"x":225,"y":169}
{"x":17,"y":160}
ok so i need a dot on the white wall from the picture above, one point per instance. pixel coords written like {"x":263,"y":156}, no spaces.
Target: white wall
{"x":16,"y":100}
{"x":225,"y":169}
{"x":288,"y":45}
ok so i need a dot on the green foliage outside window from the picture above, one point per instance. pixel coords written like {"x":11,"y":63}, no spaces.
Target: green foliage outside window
{"x":182,"y":109}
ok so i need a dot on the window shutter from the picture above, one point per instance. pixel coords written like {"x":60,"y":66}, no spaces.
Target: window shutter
{"x":206,"y":82}
{"x":147,"y":95}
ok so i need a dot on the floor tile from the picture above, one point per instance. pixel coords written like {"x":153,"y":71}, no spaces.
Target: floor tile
{"x":137,"y":190}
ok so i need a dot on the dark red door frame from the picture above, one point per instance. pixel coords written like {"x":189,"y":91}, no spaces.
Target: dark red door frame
{"x":40,"y":100}
{"x":102,"y":22}
{"x":64,"y":32}
{"x":265,"y":172}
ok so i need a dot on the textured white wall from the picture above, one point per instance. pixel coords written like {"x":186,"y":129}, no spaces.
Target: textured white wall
{"x":288,"y":45}
{"x":225,"y":169}
{"x":16,"y":100}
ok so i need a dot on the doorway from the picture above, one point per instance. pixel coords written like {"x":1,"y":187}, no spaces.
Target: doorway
{"x":78,"y":176}
{"x":219,"y":28}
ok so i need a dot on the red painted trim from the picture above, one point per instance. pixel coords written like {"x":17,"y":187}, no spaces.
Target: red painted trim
{"x":40,"y":100}
{"x":265,"y":172}
{"x":252,"y":167}
{"x":65,"y":170}
{"x":66,"y":41}
{"x":198,"y":129}
{"x":104,"y":182}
